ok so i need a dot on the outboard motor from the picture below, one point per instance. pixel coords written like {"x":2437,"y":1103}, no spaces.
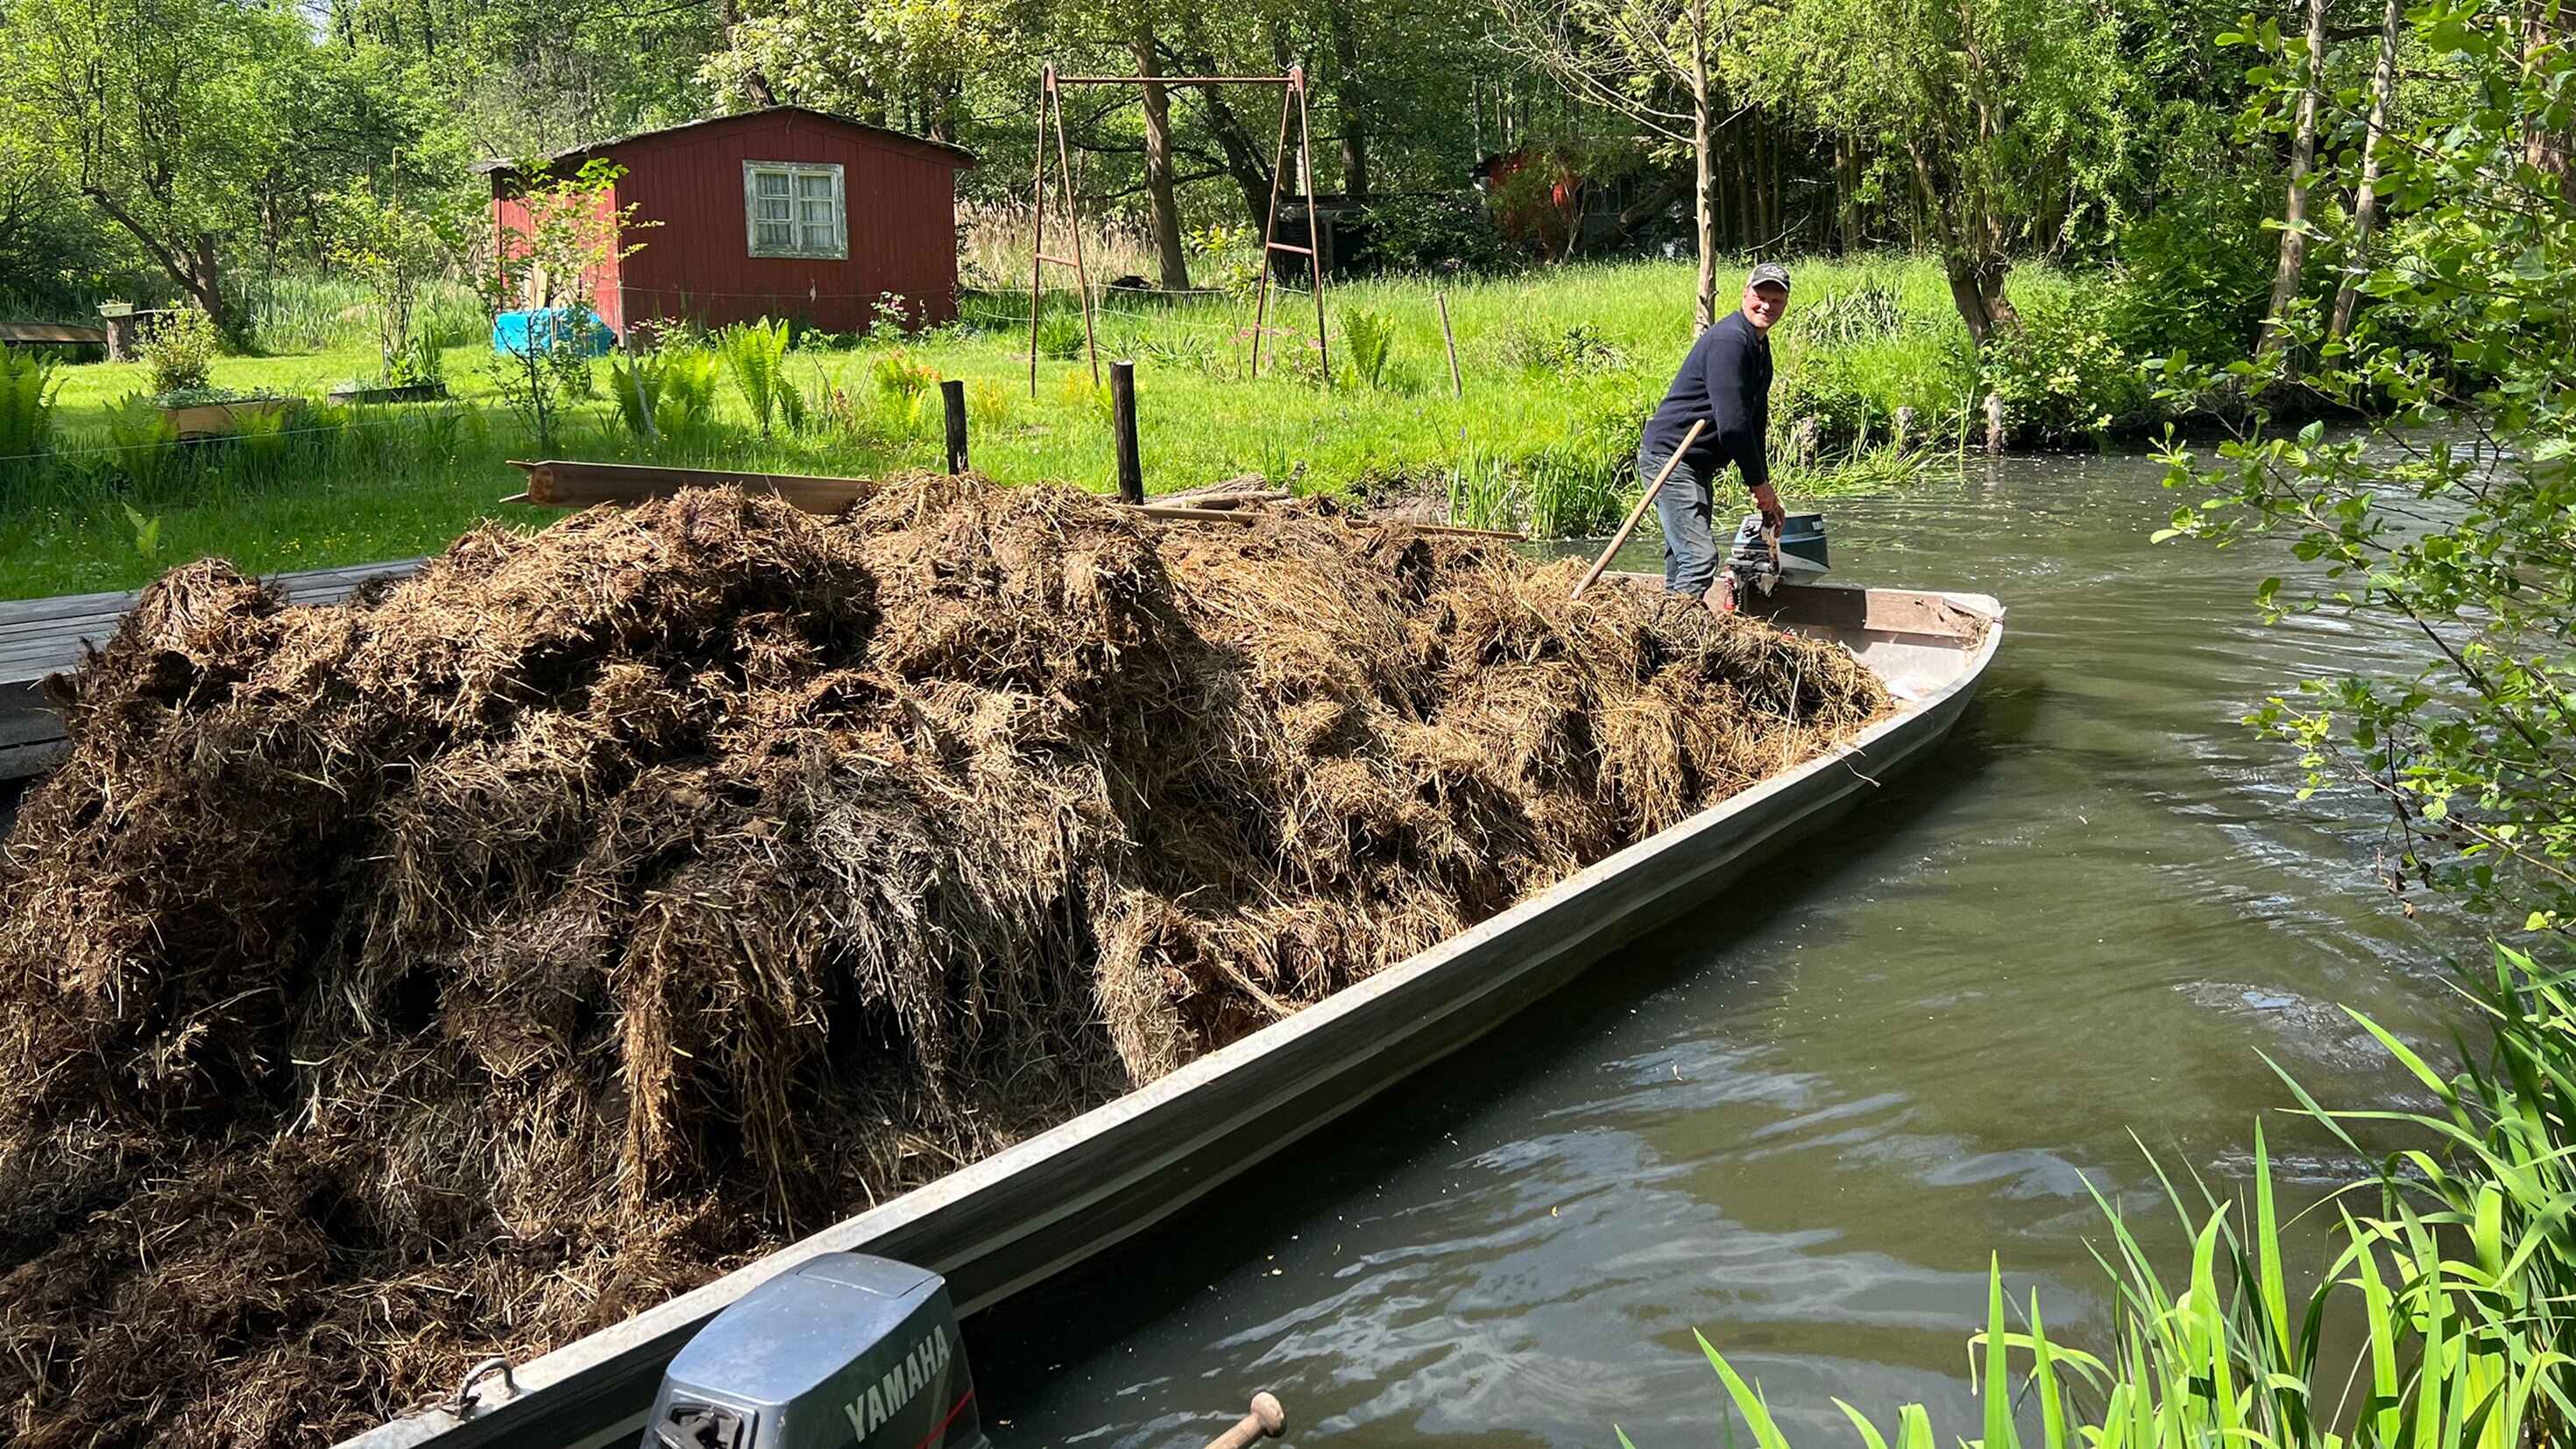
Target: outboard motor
{"x":1752,"y":562}
{"x":844,"y":1350}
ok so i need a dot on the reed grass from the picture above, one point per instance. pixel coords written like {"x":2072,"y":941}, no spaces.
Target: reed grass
{"x":2457,"y":1269}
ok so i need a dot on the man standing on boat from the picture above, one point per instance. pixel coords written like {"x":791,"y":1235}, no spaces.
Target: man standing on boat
{"x":1725,"y":383}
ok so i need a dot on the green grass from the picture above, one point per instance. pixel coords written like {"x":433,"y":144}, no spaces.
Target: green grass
{"x":1559,"y":367}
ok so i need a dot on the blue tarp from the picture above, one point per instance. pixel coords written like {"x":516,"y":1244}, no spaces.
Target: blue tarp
{"x":511,"y":331}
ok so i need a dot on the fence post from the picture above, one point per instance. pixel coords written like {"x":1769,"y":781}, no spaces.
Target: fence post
{"x":952,"y":399}
{"x":1449,"y":340}
{"x":1994,"y":422}
{"x":1122,"y":417}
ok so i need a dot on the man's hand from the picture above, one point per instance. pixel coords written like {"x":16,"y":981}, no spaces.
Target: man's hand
{"x":1769,"y":502}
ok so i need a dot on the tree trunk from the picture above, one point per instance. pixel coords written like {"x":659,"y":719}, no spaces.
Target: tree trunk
{"x":755,"y":83}
{"x":1968,"y":294}
{"x":1747,"y":225}
{"x":2365,"y":197}
{"x":1162,"y":208}
{"x":1347,"y":98}
{"x":1244,"y":162}
{"x":191,"y":265}
{"x":1704,"y":169}
{"x":1847,"y":191}
{"x":2294,"y":219}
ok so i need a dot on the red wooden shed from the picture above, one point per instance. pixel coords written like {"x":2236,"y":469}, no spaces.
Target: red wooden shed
{"x":783,"y":212}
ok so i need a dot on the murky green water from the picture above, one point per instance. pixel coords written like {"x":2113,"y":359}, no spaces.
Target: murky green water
{"x":1800,"y":1121}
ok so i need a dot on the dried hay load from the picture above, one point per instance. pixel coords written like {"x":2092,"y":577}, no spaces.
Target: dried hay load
{"x":469,"y":966}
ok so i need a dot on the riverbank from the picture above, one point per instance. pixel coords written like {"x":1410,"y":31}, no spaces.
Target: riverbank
{"x":1555,"y":372}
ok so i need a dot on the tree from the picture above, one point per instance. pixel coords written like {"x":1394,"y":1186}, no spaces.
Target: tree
{"x":900,"y":63}
{"x":2450,"y":514}
{"x":1655,"y":62}
{"x":2365,"y":192}
{"x":2303,"y":159}
{"x":153,"y":103}
{"x":1999,"y":110}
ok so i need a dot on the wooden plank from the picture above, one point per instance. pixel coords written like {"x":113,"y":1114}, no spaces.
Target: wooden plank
{"x":556,"y":483}
{"x":66,"y":333}
{"x":997,"y":1226}
{"x":44,"y":636}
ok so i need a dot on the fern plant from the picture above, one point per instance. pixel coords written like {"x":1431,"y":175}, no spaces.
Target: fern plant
{"x":675,"y":386}
{"x":27,"y":389}
{"x":755,"y":356}
{"x":1371,"y":336}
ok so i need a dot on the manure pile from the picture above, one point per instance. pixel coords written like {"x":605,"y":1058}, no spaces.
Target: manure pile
{"x":469,"y":966}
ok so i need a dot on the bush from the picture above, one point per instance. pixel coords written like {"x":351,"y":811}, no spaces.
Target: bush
{"x":1440,"y":234}
{"x":1060,"y":337}
{"x":181,"y":351}
{"x":2061,"y":374}
{"x":1577,"y":349}
{"x":2195,"y":277}
{"x":898,"y":376}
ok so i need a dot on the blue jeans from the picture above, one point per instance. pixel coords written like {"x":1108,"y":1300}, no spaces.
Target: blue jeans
{"x":1691,"y":556}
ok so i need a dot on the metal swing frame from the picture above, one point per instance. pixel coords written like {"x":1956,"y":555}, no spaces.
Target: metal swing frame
{"x":1292,"y":107}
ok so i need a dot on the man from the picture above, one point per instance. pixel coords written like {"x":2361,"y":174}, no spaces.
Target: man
{"x":1726,"y":384}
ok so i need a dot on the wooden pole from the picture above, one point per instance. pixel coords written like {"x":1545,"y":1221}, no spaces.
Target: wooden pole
{"x":1620,"y":539}
{"x":1037,"y":224}
{"x":952,"y":400}
{"x":1073,"y":230}
{"x":1270,"y":226}
{"x":1449,"y":340}
{"x":1314,"y":237}
{"x":1122,"y":417}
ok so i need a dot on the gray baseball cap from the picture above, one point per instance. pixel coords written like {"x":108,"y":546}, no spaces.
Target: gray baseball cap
{"x":1769,"y":274}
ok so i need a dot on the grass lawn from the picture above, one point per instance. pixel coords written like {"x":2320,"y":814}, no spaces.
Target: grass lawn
{"x":1558,"y":369}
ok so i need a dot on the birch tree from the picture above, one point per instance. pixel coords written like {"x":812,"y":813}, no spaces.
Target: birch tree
{"x":1657,"y":62}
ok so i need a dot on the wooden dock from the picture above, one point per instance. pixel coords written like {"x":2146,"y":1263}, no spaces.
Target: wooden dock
{"x":39,"y":637}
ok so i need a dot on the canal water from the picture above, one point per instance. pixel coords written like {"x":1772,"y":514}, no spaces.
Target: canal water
{"x":1802,"y":1120}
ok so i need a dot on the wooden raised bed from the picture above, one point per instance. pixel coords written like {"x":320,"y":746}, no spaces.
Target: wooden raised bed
{"x":409,"y":392}
{"x":214,"y":419}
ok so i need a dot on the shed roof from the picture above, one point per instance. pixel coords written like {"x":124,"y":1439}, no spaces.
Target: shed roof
{"x":959,"y":154}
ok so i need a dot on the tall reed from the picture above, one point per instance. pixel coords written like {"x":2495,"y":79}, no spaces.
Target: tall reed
{"x":2461,"y":1275}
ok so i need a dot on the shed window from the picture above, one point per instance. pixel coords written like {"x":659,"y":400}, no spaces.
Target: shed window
{"x":795,"y":209}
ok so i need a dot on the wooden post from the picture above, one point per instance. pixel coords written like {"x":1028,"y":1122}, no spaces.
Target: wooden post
{"x":1122,"y":417}
{"x":1449,"y":340}
{"x":1904,"y":427}
{"x":1994,"y":422}
{"x":952,"y":399}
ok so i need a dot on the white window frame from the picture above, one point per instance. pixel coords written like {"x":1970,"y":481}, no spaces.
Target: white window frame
{"x":839,"y":250}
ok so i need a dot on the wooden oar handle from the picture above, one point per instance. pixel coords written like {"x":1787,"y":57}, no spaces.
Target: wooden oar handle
{"x":1266,"y":1421}
{"x":1638,"y":512}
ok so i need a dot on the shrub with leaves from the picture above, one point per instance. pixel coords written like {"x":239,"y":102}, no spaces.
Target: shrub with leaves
{"x":180,"y":351}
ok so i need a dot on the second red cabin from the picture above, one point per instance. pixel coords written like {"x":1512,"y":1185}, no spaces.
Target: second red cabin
{"x":783,"y":212}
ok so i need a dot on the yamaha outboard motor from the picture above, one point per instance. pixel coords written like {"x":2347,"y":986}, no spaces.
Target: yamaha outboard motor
{"x":844,"y":1350}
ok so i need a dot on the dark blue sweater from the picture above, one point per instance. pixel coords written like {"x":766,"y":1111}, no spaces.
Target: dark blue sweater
{"x":1726,"y":380}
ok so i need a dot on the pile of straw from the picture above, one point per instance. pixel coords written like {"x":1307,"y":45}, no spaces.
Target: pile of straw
{"x":469,"y":966}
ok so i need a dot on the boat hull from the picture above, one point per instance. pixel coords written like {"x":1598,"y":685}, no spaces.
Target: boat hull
{"x":1044,"y":1205}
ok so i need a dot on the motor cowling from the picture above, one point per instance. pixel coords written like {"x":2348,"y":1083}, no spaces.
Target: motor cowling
{"x":843,"y":1350}
{"x":1751,"y":564}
